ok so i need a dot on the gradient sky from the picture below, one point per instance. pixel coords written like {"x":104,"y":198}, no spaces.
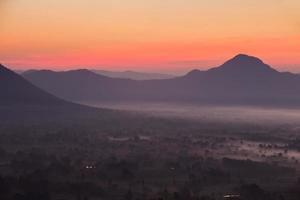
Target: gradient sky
{"x":147,"y":35}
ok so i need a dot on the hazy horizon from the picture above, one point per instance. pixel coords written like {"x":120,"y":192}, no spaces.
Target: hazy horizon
{"x":293,"y":69}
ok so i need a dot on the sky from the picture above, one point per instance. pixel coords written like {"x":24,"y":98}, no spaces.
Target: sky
{"x":147,"y":35}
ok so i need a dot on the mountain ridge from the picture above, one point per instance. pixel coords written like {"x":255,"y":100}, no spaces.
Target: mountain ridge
{"x":128,"y":74}
{"x":242,"y":79}
{"x":133,"y":75}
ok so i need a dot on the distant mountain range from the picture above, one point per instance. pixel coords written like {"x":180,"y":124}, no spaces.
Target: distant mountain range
{"x":133,"y":75}
{"x":242,"y":80}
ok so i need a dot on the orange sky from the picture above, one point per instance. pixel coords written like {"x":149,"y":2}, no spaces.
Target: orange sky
{"x":169,"y":36}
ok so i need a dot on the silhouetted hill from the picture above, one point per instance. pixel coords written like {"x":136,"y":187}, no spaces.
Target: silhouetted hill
{"x":240,"y":65}
{"x":244,"y":64}
{"x":21,"y":101}
{"x":133,"y":75}
{"x":16,"y":90}
{"x":247,"y":80}
{"x":76,"y":85}
{"x":241,"y":80}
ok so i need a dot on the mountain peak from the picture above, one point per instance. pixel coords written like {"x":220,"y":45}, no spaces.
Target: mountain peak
{"x":245,"y":59}
{"x":194,"y":72}
{"x":243,"y":63}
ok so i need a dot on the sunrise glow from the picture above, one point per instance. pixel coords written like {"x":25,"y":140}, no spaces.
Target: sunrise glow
{"x":170,"y":35}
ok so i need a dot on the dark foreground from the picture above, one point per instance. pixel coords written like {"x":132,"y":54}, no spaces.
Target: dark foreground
{"x":139,"y":157}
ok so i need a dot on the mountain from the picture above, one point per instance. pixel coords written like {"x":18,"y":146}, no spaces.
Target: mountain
{"x":83,"y":85}
{"x":15,"y":90}
{"x":133,"y":75}
{"x":244,"y":80}
{"x":23,"y":103}
{"x":78,"y":85}
{"x":247,"y":80}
